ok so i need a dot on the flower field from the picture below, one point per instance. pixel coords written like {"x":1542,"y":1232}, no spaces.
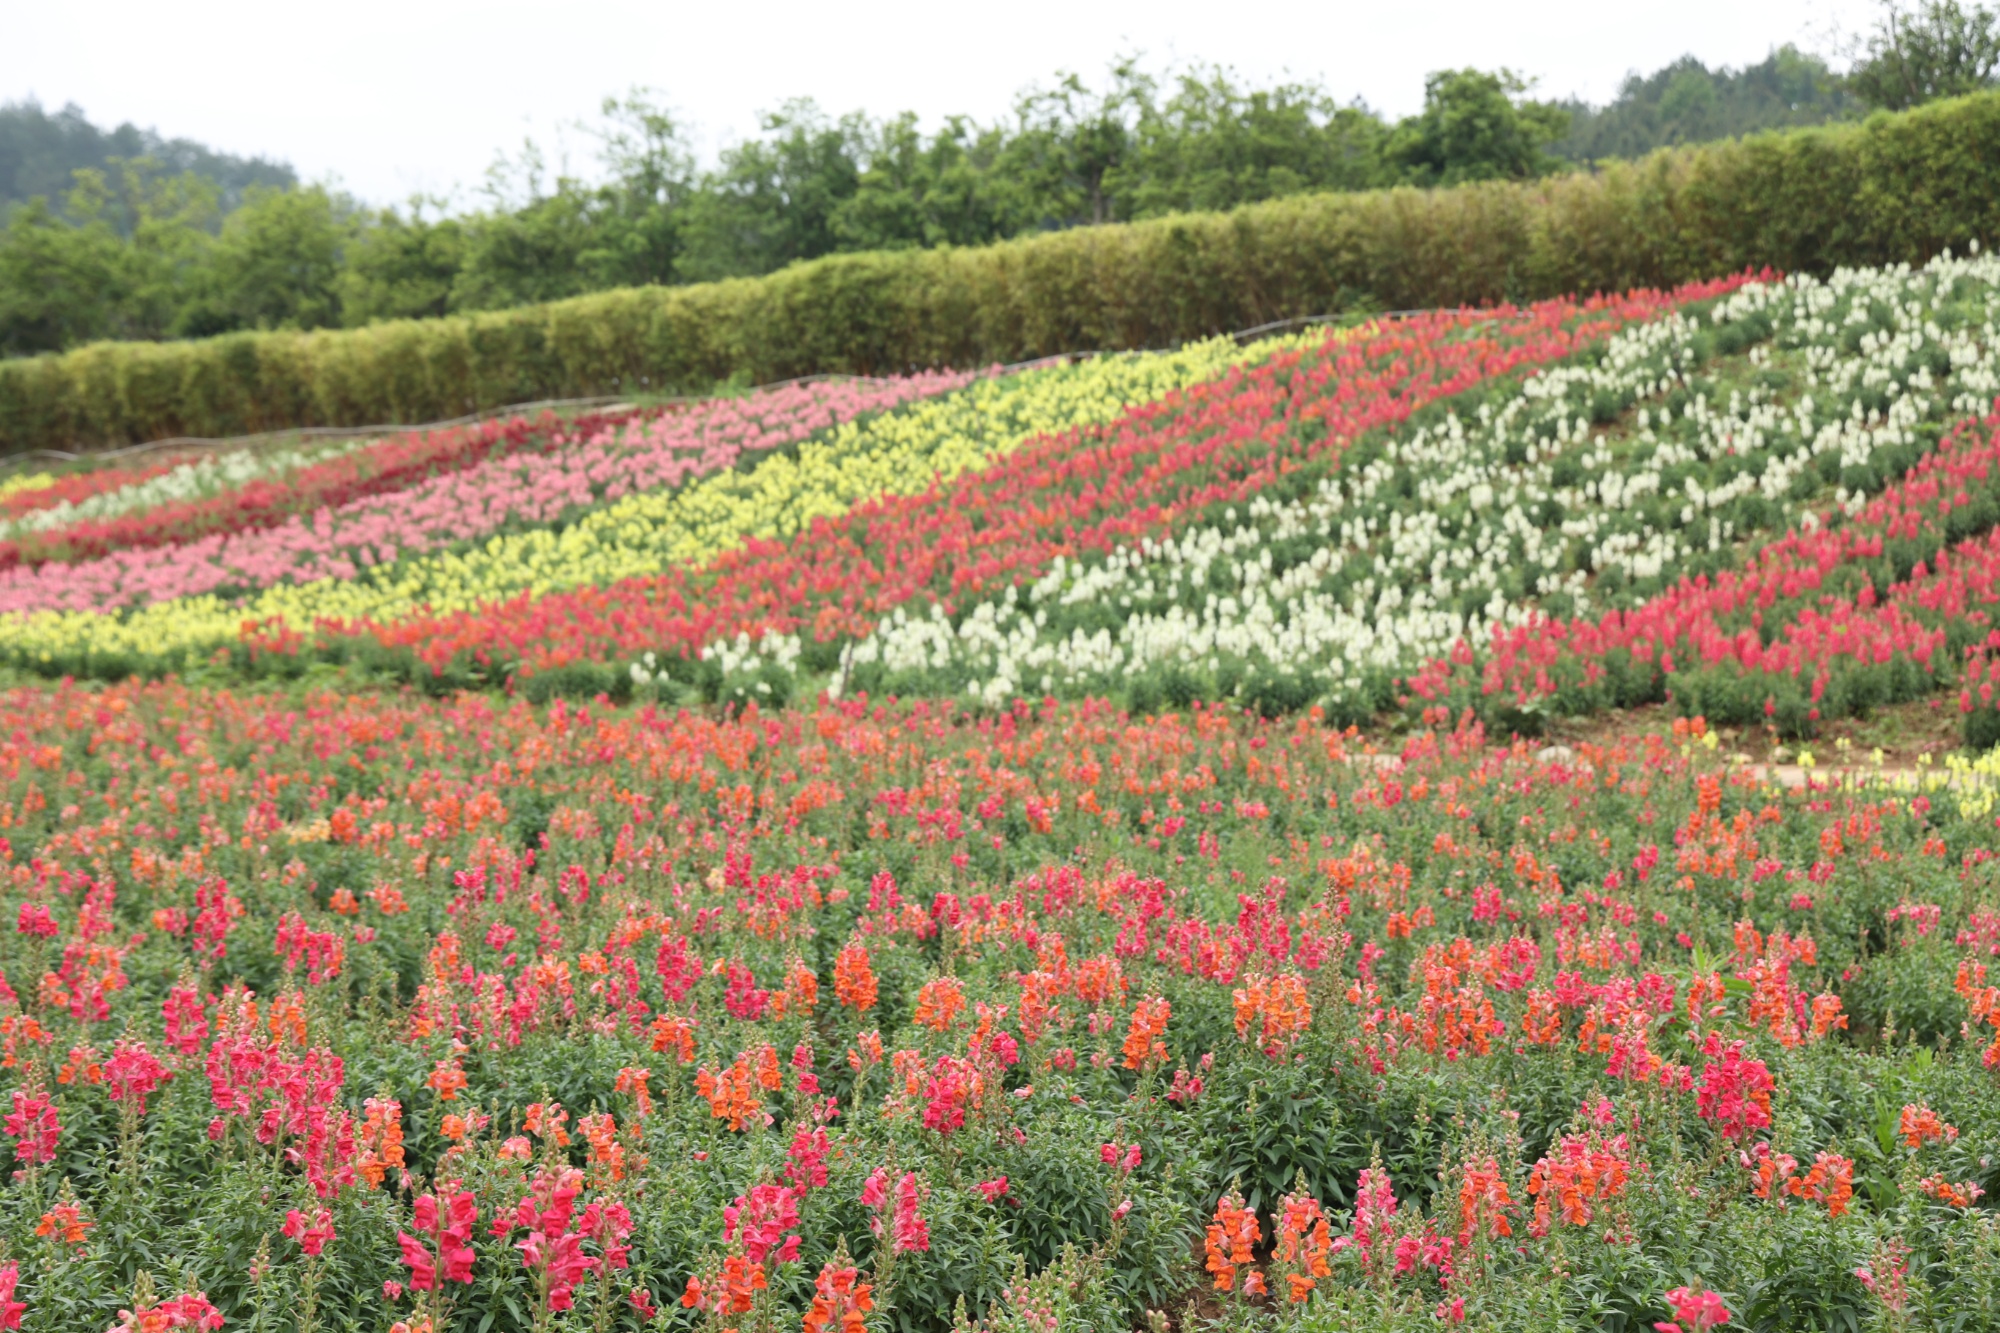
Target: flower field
{"x":1511,"y":514}
{"x":1032,"y":850}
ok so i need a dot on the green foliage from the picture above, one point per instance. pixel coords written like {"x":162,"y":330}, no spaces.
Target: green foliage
{"x":914,"y":192}
{"x":401,"y":269}
{"x":57,"y":283}
{"x":1893,"y":188}
{"x":1933,"y":49}
{"x":1211,"y":145}
{"x":277,"y":262}
{"x":1475,"y":127}
{"x":41,"y":152}
{"x":136,"y":241}
{"x":1687,"y":102}
{"x":806,"y":186}
{"x":519,"y":258}
{"x":132,"y":242}
{"x":773,"y":201}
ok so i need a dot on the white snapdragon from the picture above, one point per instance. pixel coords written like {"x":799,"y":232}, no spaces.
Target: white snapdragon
{"x":192,"y":480}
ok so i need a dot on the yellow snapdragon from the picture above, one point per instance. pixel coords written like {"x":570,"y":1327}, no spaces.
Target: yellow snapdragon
{"x":1975,"y":780}
{"x":1973,"y":784}
{"x":27,"y":481}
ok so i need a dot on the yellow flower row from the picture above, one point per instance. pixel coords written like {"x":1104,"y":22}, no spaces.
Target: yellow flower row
{"x":1972,"y":783}
{"x":1975,"y":781}
{"x":898,"y":453}
{"x":27,"y":481}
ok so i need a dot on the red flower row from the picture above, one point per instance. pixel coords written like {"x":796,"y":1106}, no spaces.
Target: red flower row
{"x":76,"y":487}
{"x":1906,"y":580}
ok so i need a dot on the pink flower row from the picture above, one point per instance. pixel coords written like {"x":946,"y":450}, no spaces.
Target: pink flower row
{"x":648,"y":453}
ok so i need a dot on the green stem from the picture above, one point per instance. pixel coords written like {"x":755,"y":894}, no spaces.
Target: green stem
{"x":309,"y":1296}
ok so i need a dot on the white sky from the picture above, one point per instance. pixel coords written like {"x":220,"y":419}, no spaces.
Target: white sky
{"x":394,"y":98}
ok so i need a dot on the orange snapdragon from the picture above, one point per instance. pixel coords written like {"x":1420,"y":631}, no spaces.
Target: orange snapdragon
{"x":1231,"y":1241}
{"x":1143,"y":1047}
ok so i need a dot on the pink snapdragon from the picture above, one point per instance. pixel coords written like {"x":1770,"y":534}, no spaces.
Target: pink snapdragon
{"x":524,"y":488}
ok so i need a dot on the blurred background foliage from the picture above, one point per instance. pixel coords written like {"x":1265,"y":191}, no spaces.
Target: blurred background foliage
{"x":120,"y":234}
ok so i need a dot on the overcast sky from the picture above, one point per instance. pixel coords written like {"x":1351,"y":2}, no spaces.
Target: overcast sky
{"x":418,"y":95}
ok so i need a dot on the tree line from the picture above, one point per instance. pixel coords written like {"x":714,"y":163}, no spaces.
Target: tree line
{"x":151,"y":245}
{"x":41,"y":151}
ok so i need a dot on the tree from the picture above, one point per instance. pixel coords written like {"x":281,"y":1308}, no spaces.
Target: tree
{"x":527,"y":245}
{"x":1926,"y":51}
{"x":41,"y":152}
{"x":529,"y":254}
{"x":278,"y":260}
{"x":59,"y":284}
{"x":652,"y":176}
{"x":915,"y":192}
{"x":1687,"y":102}
{"x":137,"y":255}
{"x":1067,"y":144}
{"x":1215,"y":145}
{"x":1691,"y":107}
{"x":1476,"y":126}
{"x":773,"y":200}
{"x":645,"y":150}
{"x":401,"y":268}
{"x":167,"y":224}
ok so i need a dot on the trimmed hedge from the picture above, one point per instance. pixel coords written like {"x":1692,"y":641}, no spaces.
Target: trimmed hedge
{"x":1894,"y":187}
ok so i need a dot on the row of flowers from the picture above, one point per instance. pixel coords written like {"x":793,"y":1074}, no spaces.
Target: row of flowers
{"x":1876,"y":605}
{"x":260,"y":502}
{"x":1834,"y":619}
{"x":29,"y":491}
{"x":538,"y":541}
{"x":15,"y":490}
{"x":201,"y":478}
{"x":1213,"y":443}
{"x":1535,"y":503}
{"x":365,"y":1009}
{"x":572,"y":468}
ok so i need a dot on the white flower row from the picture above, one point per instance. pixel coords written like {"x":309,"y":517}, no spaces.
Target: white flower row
{"x":193,"y":480}
{"x":1453,"y":529}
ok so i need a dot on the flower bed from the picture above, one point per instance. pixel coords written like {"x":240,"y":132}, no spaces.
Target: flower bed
{"x":557,"y":474}
{"x":1083,"y":490}
{"x":897,"y":452}
{"x":347,"y":1011}
{"x":265,"y":501}
{"x":121,"y":491}
{"x":1597,"y":484}
{"x":38,"y":491}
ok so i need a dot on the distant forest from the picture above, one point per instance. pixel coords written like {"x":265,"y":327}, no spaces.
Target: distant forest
{"x":124,"y":234}
{"x":1687,"y":102}
{"x":41,"y":152}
